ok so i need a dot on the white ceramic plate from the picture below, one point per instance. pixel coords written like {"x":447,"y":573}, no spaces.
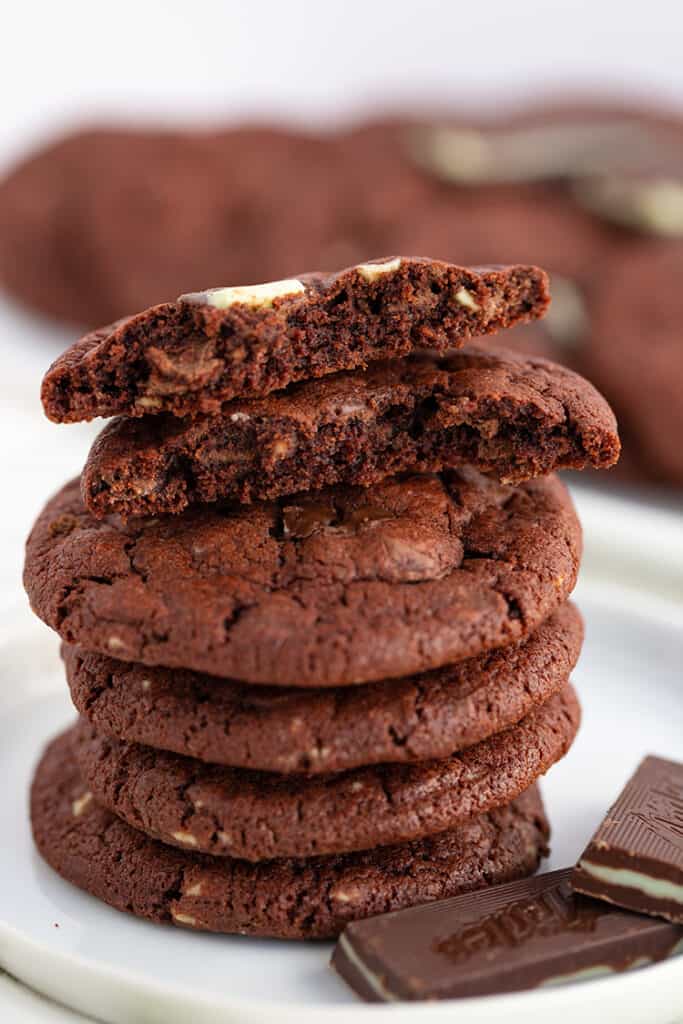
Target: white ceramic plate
{"x":80,"y":952}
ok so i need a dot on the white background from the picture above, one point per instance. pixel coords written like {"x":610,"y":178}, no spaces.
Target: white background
{"x":64,"y":62}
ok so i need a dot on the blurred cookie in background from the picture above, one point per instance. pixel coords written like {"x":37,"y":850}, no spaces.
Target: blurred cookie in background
{"x":597,"y":193}
{"x":109,"y":220}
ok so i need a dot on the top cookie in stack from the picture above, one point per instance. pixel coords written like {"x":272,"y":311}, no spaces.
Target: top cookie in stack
{"x":231,"y":554}
{"x":190,"y":356}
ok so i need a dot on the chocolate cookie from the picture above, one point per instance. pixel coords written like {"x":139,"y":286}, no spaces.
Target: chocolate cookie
{"x":231,"y":812}
{"x":258,"y":196}
{"x":190,"y":356}
{"x":511,"y":416}
{"x":318,"y":731}
{"x":343,"y":586}
{"x":315,"y":898}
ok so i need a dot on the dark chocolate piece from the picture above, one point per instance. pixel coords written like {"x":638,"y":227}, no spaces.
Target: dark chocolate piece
{"x":513,"y":937}
{"x":521,"y":153}
{"x":635,"y":859}
{"x":649,"y":203}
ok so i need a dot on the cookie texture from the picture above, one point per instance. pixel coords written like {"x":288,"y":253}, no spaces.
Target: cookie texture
{"x":293,"y":899}
{"x":510,"y":416}
{"x":343,"y":586}
{"x":320,"y":731}
{"x":259,"y":816}
{"x":190,"y":356}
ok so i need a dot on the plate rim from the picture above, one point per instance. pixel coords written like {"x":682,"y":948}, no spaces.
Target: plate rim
{"x":653,"y":600}
{"x":514,"y":1005}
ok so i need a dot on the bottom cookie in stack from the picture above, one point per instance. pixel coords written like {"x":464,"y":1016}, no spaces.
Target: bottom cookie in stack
{"x":314,"y":898}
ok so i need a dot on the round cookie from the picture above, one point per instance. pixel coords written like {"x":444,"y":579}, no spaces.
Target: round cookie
{"x":510,"y":222}
{"x":94,"y":850}
{"x":318,"y":731}
{"x":374,"y":190}
{"x":258,"y":196}
{"x":38,"y":208}
{"x":504,"y":185}
{"x":344,"y":586}
{"x":257,"y":816}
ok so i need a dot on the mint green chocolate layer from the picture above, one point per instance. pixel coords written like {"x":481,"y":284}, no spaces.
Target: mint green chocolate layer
{"x":635,"y":858}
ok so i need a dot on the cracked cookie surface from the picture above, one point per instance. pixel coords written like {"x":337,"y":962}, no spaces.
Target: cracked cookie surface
{"x":339,"y":587}
{"x":190,"y":356}
{"x":295,"y":899}
{"x":510,"y":416}
{"x":255,"y":816}
{"x":316,"y":731}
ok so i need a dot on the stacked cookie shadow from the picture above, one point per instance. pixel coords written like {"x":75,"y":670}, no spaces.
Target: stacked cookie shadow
{"x":313,"y":590}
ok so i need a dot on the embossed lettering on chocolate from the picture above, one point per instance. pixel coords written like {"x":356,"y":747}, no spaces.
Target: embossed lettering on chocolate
{"x":635,"y":859}
{"x":513,"y":937}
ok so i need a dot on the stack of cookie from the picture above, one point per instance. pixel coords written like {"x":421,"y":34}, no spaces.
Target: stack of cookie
{"x":317,"y":631}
